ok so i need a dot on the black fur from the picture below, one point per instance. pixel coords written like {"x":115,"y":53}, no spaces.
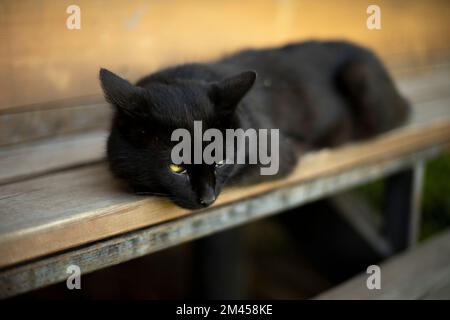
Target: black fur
{"x":317,"y":93}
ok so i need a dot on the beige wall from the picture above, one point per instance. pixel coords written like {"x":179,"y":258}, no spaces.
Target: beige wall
{"x":41,"y":60}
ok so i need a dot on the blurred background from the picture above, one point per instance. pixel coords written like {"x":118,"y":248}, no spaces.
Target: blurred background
{"x":42,"y":60}
{"x":49,"y":88}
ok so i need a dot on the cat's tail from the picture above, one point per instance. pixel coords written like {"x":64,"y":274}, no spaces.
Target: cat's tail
{"x":376,"y":105}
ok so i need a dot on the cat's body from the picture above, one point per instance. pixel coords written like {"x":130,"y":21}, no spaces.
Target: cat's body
{"x":316,"y":93}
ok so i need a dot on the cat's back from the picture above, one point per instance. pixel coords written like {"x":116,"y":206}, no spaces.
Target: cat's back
{"x":303,"y":58}
{"x":296,"y":62}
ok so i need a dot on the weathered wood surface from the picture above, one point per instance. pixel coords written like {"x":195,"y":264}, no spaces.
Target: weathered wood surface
{"x":63,"y":210}
{"x":41,"y":122}
{"x":28,"y":160}
{"x":85,"y":204}
{"x":420,"y":273}
{"x":69,"y":117}
{"x":439,"y":292}
{"x":429,"y":92}
{"x":254,"y":203}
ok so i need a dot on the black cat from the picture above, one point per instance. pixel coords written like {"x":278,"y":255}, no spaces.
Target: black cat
{"x":316,"y":93}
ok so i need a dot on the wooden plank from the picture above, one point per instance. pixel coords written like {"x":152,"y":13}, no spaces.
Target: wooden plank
{"x":426,"y":85}
{"x":49,"y":121}
{"x":140,"y":36}
{"x":100,"y":254}
{"x":426,"y":91}
{"x":64,"y":210}
{"x":416,"y":204}
{"x":441,"y":292}
{"x":50,"y":155}
{"x":416,"y":274}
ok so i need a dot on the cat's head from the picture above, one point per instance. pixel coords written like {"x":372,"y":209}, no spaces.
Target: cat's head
{"x":139,"y":147}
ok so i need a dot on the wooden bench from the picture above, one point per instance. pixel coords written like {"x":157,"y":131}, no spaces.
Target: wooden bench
{"x":59,"y":205}
{"x":421,"y":273}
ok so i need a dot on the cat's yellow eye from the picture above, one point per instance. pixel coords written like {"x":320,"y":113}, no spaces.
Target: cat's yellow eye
{"x":176,"y":168}
{"x":220,"y":163}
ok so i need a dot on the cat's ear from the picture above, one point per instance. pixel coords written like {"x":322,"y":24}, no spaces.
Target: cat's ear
{"x":228,"y":92}
{"x":121,"y":93}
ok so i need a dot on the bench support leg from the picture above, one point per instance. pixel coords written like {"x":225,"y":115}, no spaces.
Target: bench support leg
{"x":403,"y":202}
{"x":219,"y":266}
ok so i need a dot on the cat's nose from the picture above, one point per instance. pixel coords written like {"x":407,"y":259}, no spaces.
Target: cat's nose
{"x":207,"y":199}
